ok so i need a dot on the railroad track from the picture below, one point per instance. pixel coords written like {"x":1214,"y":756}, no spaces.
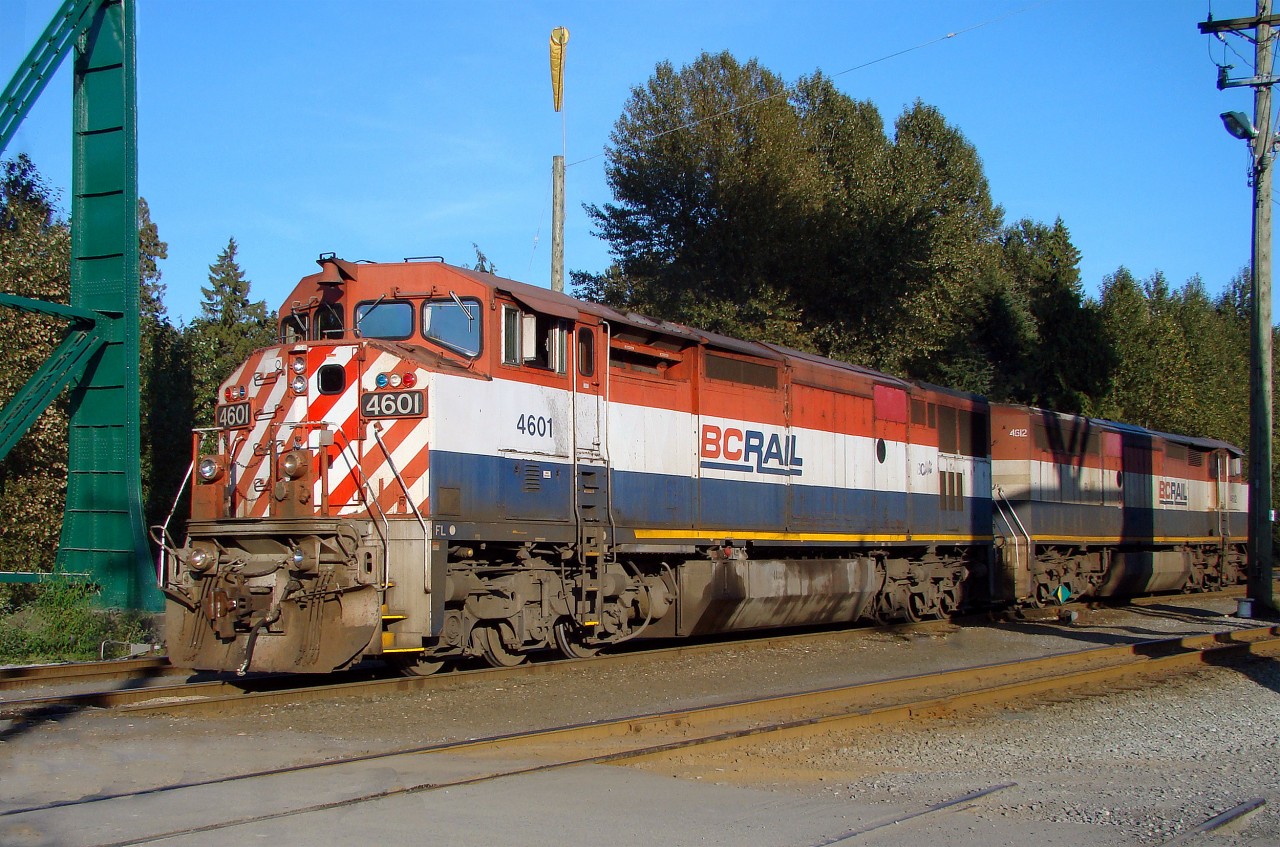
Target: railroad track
{"x":27,"y":676}
{"x":227,"y":693}
{"x":134,"y":689}
{"x":24,"y":676}
{"x":139,"y":817}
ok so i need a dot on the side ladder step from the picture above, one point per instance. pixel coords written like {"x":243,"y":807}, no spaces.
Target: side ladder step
{"x":402,"y":642}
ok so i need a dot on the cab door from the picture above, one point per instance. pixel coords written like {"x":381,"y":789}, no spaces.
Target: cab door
{"x":535,"y":420}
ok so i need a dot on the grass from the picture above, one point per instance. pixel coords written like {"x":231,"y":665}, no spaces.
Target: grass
{"x":56,"y":622}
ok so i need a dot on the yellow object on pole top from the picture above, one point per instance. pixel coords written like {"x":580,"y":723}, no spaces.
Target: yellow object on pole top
{"x":559,"y":38}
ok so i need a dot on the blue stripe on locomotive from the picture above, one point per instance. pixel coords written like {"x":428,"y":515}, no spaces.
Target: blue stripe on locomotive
{"x":495,"y":489}
{"x":1140,"y":523}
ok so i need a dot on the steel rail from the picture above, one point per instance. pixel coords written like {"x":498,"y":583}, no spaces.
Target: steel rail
{"x":659,"y":734}
{"x":1218,"y":821}
{"x":897,"y":700}
{"x":944,"y":806}
{"x":26,"y":675}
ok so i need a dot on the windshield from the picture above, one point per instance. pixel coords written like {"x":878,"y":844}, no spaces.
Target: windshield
{"x":385,"y":319}
{"x":453,"y":323}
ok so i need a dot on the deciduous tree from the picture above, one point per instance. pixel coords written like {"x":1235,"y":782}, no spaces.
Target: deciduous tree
{"x":35,"y":252}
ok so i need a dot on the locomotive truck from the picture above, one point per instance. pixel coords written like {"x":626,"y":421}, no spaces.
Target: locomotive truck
{"x":436,"y":463}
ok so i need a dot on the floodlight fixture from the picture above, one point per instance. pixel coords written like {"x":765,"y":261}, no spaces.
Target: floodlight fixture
{"x":1239,"y":125}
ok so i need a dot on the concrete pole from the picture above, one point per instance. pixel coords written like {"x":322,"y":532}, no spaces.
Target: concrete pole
{"x":1260,"y":564}
{"x":557,"y":223}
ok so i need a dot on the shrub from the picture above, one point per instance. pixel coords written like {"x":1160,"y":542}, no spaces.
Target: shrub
{"x":59,"y":624}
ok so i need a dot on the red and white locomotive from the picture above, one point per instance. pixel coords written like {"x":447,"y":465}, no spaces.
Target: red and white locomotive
{"x":437,"y":463}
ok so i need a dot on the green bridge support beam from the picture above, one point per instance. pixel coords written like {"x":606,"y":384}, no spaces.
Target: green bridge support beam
{"x":103,"y":528}
{"x":65,"y":365}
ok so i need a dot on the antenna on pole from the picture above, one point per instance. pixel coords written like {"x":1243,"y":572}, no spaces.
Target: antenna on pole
{"x":559,"y":38}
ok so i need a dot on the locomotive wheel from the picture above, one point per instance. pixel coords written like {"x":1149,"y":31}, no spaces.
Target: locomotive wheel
{"x":916,"y":609}
{"x":488,"y":640}
{"x":415,"y":664}
{"x":569,"y":640}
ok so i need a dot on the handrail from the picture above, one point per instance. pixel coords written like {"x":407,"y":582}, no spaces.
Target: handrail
{"x":1007,"y":507}
{"x":164,"y":540}
{"x":426,"y":534}
{"x":370,"y":500}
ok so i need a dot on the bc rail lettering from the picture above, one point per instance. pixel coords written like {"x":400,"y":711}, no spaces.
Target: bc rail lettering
{"x":1173,"y":492}
{"x":749,"y":450}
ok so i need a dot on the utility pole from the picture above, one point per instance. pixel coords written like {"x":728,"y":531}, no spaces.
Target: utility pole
{"x":557,"y":223}
{"x":1261,"y":139}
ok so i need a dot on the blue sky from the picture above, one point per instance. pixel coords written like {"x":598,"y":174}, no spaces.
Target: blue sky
{"x":393,"y":129}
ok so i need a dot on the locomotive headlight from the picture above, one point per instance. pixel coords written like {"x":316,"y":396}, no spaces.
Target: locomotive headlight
{"x":297,"y":557}
{"x":294,"y":463}
{"x":299,"y":384}
{"x":201,"y":559}
{"x":394,"y":379}
{"x":299,"y":365}
{"x":209,"y":469}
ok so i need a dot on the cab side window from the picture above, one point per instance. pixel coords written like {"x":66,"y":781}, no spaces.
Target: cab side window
{"x":329,"y":325}
{"x":533,"y":340}
{"x":586,"y":355}
{"x":293,"y":328}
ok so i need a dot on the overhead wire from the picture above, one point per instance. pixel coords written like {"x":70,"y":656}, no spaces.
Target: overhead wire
{"x":862,"y":66}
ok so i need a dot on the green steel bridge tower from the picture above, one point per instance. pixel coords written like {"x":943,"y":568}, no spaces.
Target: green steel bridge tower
{"x":103,"y":528}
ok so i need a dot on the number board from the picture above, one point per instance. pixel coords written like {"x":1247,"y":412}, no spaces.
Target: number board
{"x":234,"y":416}
{"x":392,"y":404}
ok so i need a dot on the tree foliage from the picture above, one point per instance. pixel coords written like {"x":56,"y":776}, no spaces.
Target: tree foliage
{"x":785,"y":213}
{"x":165,"y":377}
{"x":1182,"y":358}
{"x":230,"y":327}
{"x":35,"y":252}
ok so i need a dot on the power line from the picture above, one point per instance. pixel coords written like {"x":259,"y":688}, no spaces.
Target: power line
{"x":884,"y":58}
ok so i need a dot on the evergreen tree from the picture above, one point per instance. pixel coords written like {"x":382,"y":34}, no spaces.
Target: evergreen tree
{"x":1044,"y":337}
{"x":483,"y":263}
{"x":941,"y":233}
{"x":165,"y":381}
{"x":230,"y":327}
{"x":1152,"y":383}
